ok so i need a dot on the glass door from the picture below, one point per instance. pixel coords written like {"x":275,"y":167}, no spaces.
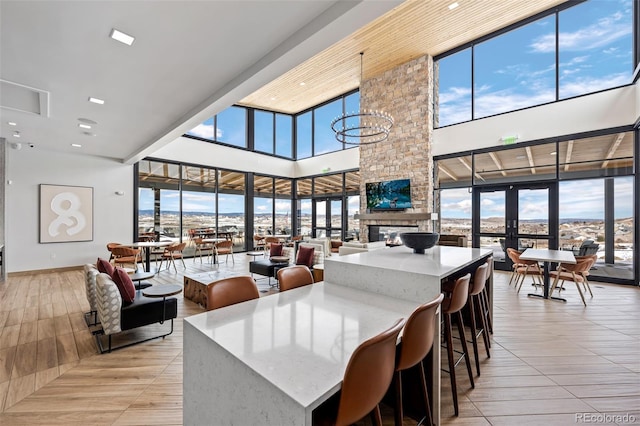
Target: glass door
{"x":327,"y":217}
{"x":516,"y":216}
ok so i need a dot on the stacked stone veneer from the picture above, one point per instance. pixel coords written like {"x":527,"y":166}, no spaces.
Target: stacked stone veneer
{"x":406,"y":93}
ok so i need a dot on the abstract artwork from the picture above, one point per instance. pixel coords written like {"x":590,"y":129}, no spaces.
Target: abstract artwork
{"x":66,"y":213}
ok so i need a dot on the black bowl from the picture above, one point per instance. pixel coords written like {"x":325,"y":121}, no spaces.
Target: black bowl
{"x":419,"y":241}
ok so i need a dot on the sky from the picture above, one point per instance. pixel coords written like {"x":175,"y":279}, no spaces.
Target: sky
{"x":517,"y":69}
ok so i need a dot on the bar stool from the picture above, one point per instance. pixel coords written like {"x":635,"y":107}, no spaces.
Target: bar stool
{"x":485,"y":297}
{"x":453,"y":303}
{"x":416,"y":342}
{"x":476,"y":309}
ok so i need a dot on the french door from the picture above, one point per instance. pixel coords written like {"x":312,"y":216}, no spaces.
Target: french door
{"x":327,"y":217}
{"x":517,"y":216}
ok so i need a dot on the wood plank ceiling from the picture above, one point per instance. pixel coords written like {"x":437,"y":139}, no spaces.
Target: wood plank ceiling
{"x":413,"y":29}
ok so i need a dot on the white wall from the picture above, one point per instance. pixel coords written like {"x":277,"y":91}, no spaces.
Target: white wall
{"x":112,"y":219}
{"x":603,"y":110}
{"x":347,"y":159}
{"x":209,"y":154}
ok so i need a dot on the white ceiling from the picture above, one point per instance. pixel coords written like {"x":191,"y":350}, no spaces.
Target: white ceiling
{"x":190,"y":60}
{"x":194,"y":58}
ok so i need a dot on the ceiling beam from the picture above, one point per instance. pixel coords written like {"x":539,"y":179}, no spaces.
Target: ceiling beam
{"x":612,"y":149}
{"x":497,"y":162}
{"x":447,"y":172}
{"x":468,"y":166}
{"x":532,"y":164}
{"x":567,"y":158}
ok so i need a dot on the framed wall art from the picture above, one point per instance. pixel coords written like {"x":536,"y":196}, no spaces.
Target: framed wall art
{"x":66,"y":213}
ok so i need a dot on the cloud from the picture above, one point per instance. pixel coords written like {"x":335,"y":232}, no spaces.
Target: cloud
{"x":588,"y":84}
{"x":202,"y":130}
{"x":599,"y":34}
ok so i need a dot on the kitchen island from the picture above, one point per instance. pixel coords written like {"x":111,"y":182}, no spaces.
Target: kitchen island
{"x":273,"y":360}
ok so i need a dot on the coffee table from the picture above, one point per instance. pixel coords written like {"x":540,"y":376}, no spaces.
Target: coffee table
{"x":195,"y":285}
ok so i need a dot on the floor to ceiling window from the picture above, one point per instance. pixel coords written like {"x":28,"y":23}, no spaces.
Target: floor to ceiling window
{"x":558,"y":195}
{"x":231,"y":212}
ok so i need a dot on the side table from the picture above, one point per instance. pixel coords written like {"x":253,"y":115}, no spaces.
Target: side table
{"x":164,"y":291}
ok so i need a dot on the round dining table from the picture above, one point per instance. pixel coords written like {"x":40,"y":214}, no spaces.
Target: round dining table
{"x":147,"y":245}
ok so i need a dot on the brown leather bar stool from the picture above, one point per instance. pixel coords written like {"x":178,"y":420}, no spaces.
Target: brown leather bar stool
{"x":484,"y":297}
{"x":476,"y":310}
{"x":366,"y":380}
{"x":417,"y":340}
{"x":453,"y":303}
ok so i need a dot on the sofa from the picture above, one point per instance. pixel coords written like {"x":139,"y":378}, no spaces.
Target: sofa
{"x":115,"y":316}
{"x":350,"y":247}
{"x":452,"y":240}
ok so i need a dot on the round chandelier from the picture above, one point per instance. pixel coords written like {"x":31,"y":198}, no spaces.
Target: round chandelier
{"x":362,"y":127}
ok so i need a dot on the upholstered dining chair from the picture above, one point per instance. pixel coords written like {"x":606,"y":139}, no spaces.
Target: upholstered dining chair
{"x":576,"y":273}
{"x":224,"y":248}
{"x":200,"y":247}
{"x":110,"y":247}
{"x":366,"y":380}
{"x":268,"y":241}
{"x":171,"y":253}
{"x":523,"y":268}
{"x":126,"y":256}
{"x":417,"y":339}
{"x":229,"y":291}
{"x":258,"y":242}
{"x":294,"y":276}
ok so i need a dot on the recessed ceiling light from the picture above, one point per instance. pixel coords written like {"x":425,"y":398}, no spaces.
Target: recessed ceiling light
{"x":12,"y":123}
{"x":122,"y":37}
{"x":303,"y":83}
{"x":84,"y":126}
{"x":96,"y":101}
{"x":76,"y":145}
{"x":16,"y":134}
{"x":453,"y":5}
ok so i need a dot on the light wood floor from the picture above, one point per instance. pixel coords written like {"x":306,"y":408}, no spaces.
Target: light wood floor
{"x":550,"y":361}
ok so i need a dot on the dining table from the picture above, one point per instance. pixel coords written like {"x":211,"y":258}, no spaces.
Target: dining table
{"x":548,"y":256}
{"x":214,"y":241}
{"x":147,"y":246}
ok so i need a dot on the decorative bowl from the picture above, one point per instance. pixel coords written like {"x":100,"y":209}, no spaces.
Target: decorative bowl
{"x":419,"y":241}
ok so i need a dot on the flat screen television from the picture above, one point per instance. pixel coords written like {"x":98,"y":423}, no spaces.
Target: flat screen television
{"x":389,"y":195}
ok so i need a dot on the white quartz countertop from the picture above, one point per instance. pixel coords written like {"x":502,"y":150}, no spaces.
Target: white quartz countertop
{"x":301,"y":340}
{"x":438,"y":261}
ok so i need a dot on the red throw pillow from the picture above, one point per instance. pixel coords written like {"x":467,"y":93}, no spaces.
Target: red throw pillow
{"x":124,"y":284}
{"x":305,"y":256}
{"x":275,"y":250}
{"x":105,"y":267}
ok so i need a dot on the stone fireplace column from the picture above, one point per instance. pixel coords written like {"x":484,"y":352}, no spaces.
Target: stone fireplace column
{"x":405,"y":92}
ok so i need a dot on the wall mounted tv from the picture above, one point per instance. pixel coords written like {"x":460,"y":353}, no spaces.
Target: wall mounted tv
{"x":389,"y":195}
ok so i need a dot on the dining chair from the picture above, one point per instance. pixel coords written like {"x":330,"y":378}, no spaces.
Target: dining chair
{"x":200,"y":247}
{"x":258,"y":242}
{"x":574,"y":272}
{"x":171,"y":253}
{"x":366,"y":379}
{"x":416,"y":342}
{"x":224,"y":247}
{"x":268,"y":241}
{"x":110,"y":247}
{"x":229,"y":291}
{"x":126,"y":256}
{"x":294,"y":276}
{"x":524,"y":268}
